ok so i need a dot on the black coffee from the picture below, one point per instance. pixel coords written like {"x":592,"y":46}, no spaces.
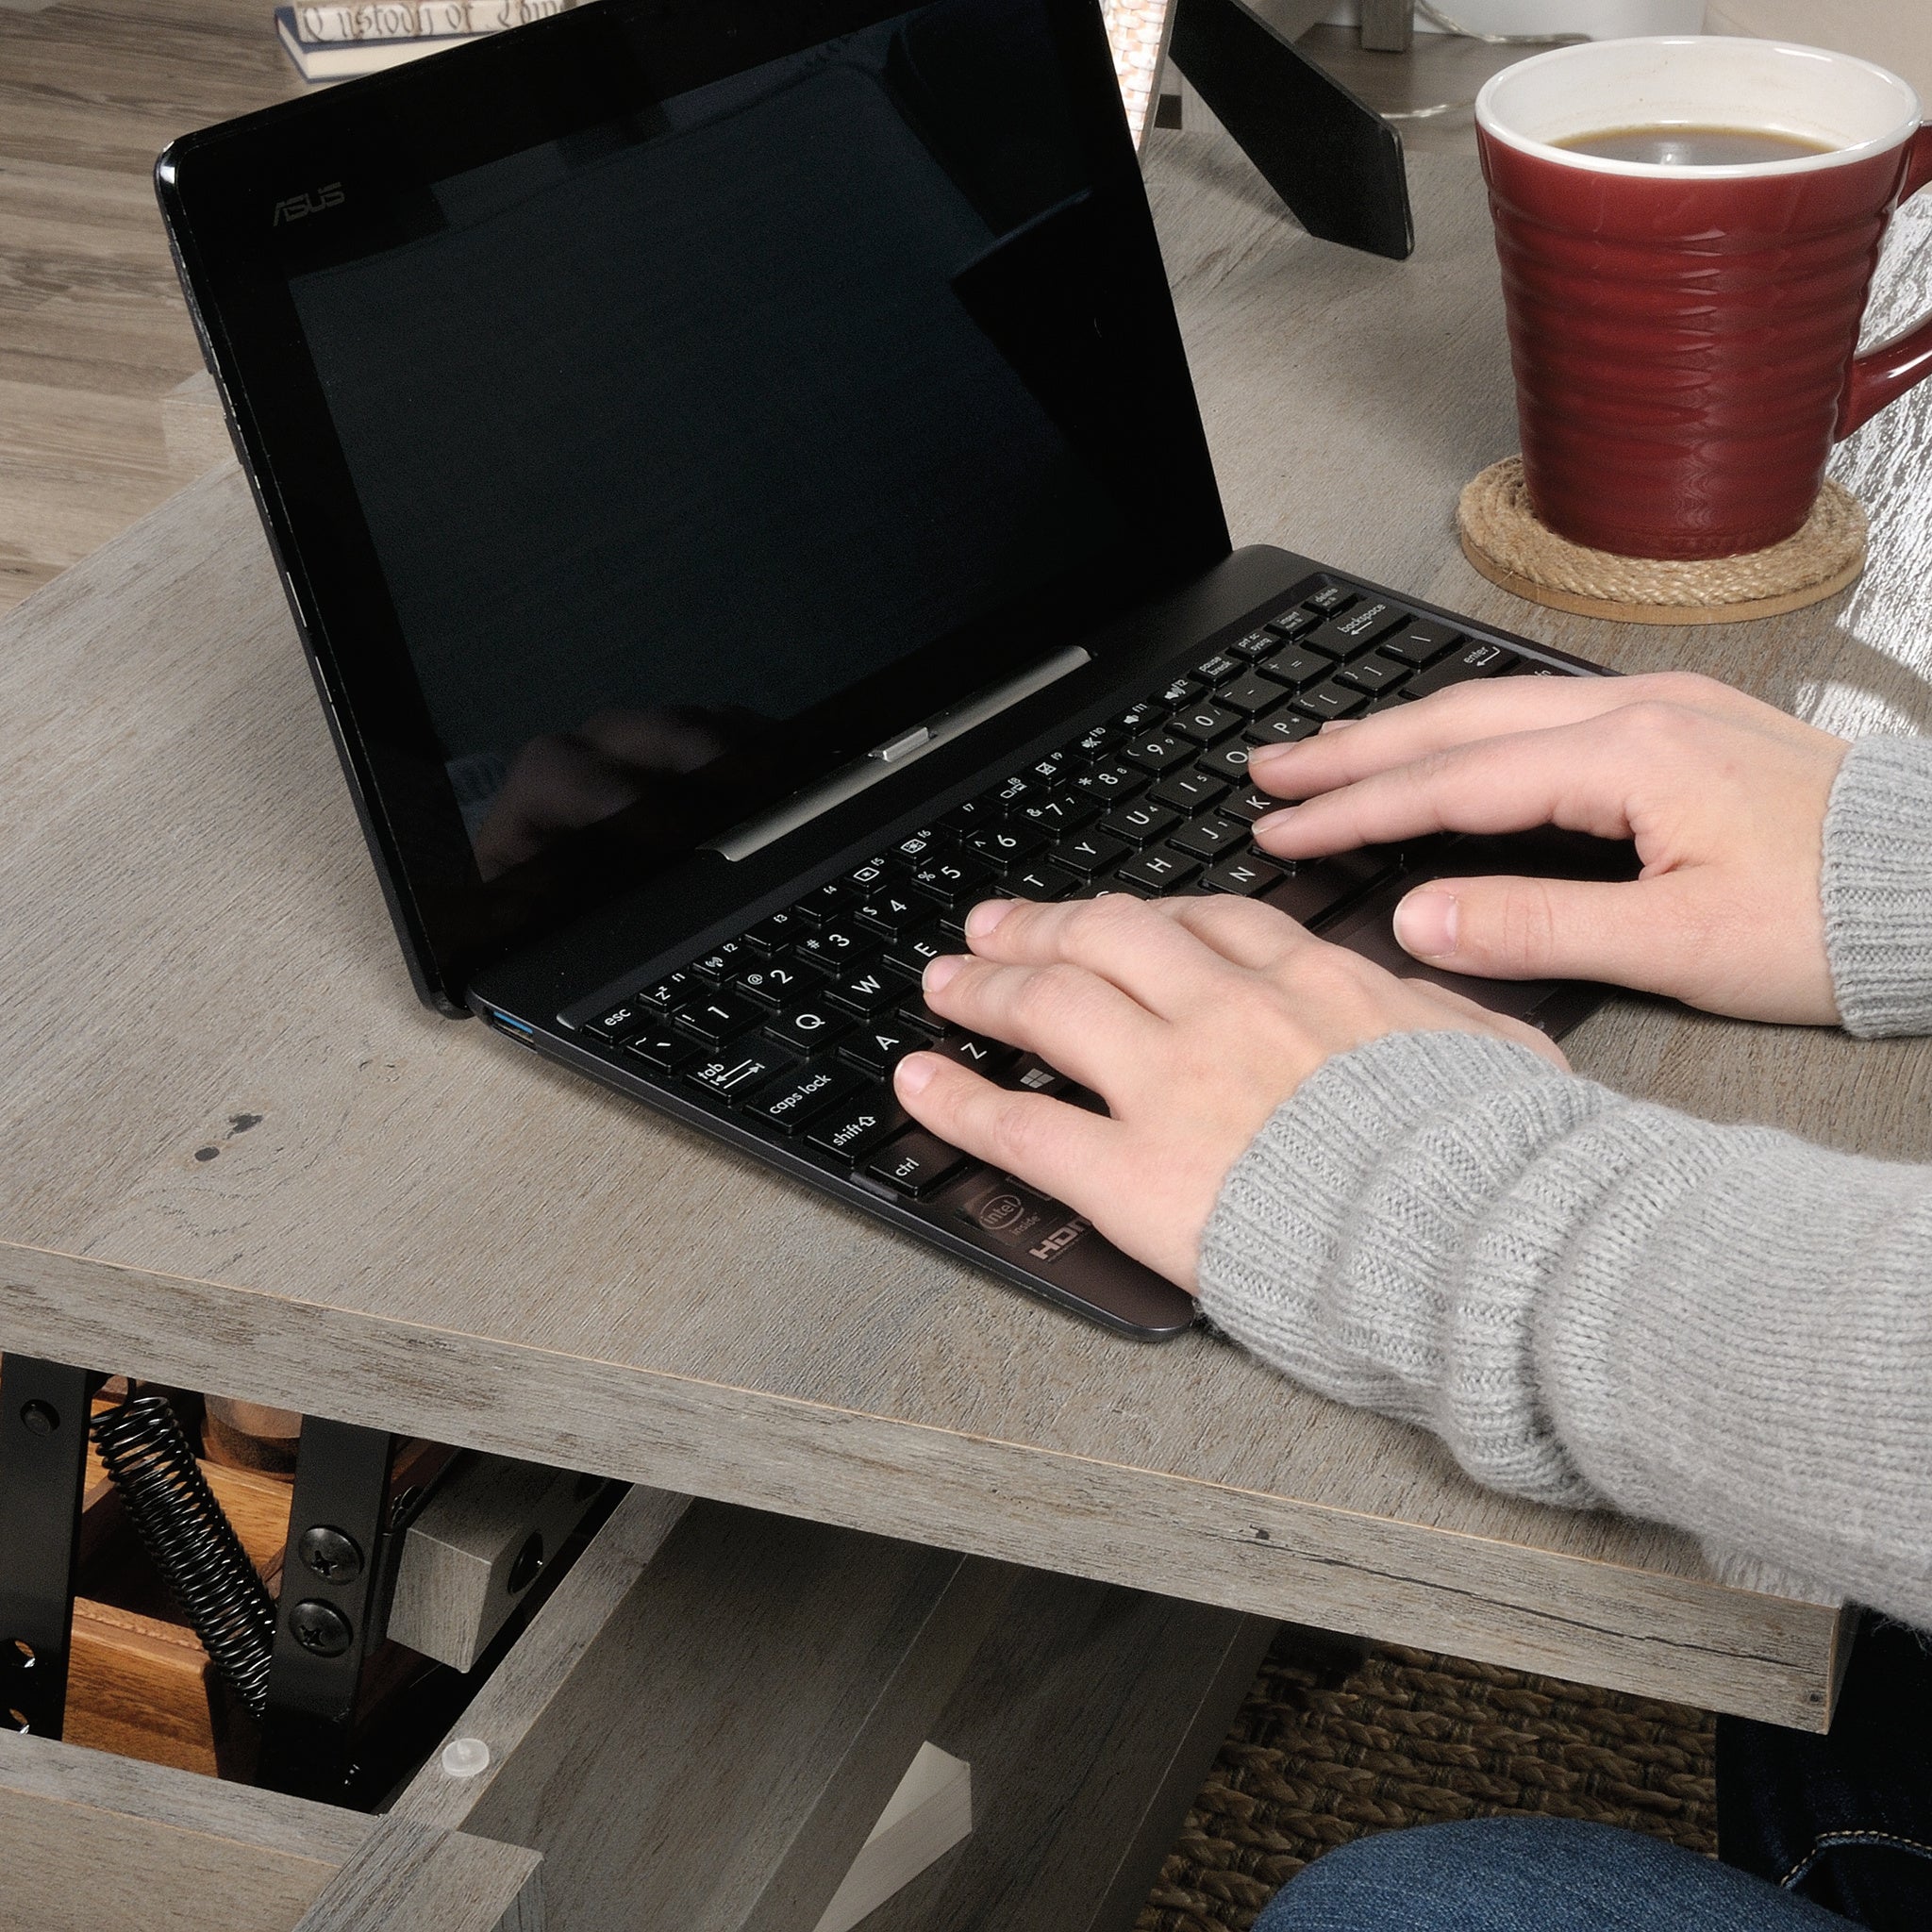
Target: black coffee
{"x":1695,"y":147}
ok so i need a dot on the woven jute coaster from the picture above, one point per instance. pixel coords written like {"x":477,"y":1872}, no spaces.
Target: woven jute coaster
{"x":1501,"y":538}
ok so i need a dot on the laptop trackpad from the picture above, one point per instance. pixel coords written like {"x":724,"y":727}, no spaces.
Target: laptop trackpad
{"x":1554,"y":1005}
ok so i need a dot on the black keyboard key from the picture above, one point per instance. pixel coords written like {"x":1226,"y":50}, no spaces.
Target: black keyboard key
{"x":1258,"y":643}
{"x":661,"y":1050}
{"x":912,"y":951}
{"x":864,"y":993}
{"x":1472,"y":660}
{"x":916,"y":1014}
{"x":1207,"y":724}
{"x":1227,"y":763}
{"x":1218,"y":668}
{"x":1038,"y":881}
{"x":989,"y":1057}
{"x":669,"y":993}
{"x":1209,"y":837}
{"x":775,"y":982}
{"x":720,"y":1019}
{"x":832,"y":946}
{"x":1011,"y":843}
{"x":920,"y":845}
{"x":1295,"y":623}
{"x":1170,"y":696}
{"x":870,"y":876}
{"x":1359,"y":628}
{"x":974,"y":815}
{"x":808,"y":1029}
{"x":825,"y":902}
{"x":1328,"y":702}
{"x":1373,"y":674}
{"x":1059,"y":811}
{"x":744,"y":1070}
{"x":1251,"y":803}
{"x":1159,"y":752}
{"x":916,"y":1163}
{"x":775,"y":934}
{"x":1422,"y":642}
{"x":804,"y":1093}
{"x":1139,"y":719}
{"x":1190,"y":791}
{"x":852,"y":1130}
{"x":878,"y":1047}
{"x":1318,"y":886}
{"x":721,"y":963}
{"x":1330,"y":598}
{"x":891,"y":911}
{"x":1140,"y":823}
{"x":1087,"y":853}
{"x":1009,"y":793}
{"x":1095,"y":745}
{"x":1297,"y":667}
{"x":949,"y":879}
{"x":1285,"y":726}
{"x":1158,"y":869}
{"x":1108,"y":783}
{"x":1244,"y":876}
{"x":1249,"y":695}
{"x":618,"y":1021}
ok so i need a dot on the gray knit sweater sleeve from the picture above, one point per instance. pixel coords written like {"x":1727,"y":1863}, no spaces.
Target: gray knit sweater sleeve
{"x":1593,"y":1300}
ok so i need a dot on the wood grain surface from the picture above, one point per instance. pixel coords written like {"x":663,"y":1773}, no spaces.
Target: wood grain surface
{"x":244,"y":1159}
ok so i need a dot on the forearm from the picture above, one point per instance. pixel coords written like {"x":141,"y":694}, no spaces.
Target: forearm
{"x":1595,"y":1300}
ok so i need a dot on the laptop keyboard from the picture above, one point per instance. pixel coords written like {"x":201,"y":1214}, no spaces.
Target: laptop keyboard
{"x":793,"y":1027}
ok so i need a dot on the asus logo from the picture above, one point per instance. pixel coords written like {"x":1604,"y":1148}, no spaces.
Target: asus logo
{"x":297,"y":205}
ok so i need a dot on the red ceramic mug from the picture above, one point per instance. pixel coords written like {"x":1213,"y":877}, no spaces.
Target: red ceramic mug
{"x":1684,"y":337}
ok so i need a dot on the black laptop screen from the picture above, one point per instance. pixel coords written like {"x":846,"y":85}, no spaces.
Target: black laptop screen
{"x":712,"y":438}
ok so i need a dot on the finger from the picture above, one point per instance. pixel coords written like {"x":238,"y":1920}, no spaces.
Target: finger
{"x":1058,"y":1148}
{"x":1575,"y":775}
{"x":1482,"y":1019}
{"x":1122,"y":940}
{"x":1465,"y":713}
{"x":1241,"y":930}
{"x":1632,"y":934}
{"x":1073,"y":1019}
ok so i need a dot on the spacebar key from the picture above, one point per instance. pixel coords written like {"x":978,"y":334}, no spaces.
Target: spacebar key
{"x":915,"y":1163}
{"x":1319,"y":885}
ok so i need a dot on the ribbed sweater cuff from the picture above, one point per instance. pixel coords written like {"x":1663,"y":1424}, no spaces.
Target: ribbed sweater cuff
{"x":1341,"y":1246}
{"x":1878,"y":886}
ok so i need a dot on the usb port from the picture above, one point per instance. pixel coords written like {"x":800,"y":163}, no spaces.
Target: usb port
{"x":517,"y":1029}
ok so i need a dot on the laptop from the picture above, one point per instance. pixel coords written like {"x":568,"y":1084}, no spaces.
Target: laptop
{"x":737,"y":481}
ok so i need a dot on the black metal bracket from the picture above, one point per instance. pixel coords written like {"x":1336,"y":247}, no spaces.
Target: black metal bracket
{"x":335,"y":1574}
{"x":44,"y":1418}
{"x":1330,"y":157}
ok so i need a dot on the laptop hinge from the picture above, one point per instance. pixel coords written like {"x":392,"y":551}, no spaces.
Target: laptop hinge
{"x":901,"y":749}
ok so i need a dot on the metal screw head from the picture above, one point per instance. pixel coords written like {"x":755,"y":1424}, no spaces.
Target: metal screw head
{"x":39,"y":1418}
{"x":332,"y":1553}
{"x":320,"y":1628}
{"x":528,"y":1564}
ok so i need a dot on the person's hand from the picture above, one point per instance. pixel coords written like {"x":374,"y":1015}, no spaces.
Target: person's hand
{"x":1193,"y":1019}
{"x":1724,"y":797}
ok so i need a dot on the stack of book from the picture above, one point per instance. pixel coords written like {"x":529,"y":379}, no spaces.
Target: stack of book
{"x":337,"y":42}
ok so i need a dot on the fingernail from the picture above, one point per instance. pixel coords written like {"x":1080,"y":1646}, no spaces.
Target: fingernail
{"x":938,"y":971}
{"x":1264,"y":757}
{"x":1425,"y":924}
{"x":1336,"y":725}
{"x":985,"y":916}
{"x":914,"y":1073}
{"x":1274,"y":821}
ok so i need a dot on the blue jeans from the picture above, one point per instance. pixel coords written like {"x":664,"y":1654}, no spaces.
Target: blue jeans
{"x":1532,"y":1875}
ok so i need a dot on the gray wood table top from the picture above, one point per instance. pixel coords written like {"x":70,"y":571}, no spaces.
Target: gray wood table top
{"x":240,"y":1157}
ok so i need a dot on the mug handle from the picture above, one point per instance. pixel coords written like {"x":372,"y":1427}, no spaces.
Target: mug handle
{"x":1882,"y":374}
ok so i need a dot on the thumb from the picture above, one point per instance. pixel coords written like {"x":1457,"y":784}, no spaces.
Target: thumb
{"x":1512,"y":928}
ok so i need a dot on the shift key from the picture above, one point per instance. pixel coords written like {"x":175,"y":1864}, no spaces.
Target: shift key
{"x":915,"y":1163}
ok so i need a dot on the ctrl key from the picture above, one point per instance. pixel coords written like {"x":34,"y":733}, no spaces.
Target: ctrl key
{"x":915,"y":1163}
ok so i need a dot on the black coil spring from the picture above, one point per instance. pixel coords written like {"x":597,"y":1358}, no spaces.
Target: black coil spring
{"x":188,"y":1534}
